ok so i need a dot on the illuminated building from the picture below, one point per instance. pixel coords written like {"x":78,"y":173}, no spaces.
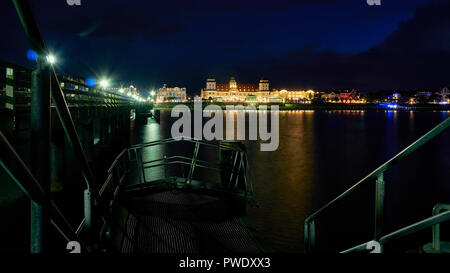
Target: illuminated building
{"x":444,"y":96}
{"x":236,"y":92}
{"x":293,"y":95}
{"x":244,"y":92}
{"x":394,"y":98}
{"x":349,"y":97}
{"x":171,"y":94}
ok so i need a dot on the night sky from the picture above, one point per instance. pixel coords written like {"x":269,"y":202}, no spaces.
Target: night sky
{"x":319,"y":44}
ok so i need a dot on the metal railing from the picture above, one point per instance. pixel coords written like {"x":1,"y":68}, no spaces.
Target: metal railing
{"x":436,"y":239}
{"x":93,"y":97}
{"x":237,"y":179}
{"x":120,"y":171}
{"x":432,"y":221}
{"x":21,"y":175}
{"x":10,"y":160}
{"x":97,"y":213}
{"x":94,"y":197}
{"x":34,"y":36}
{"x":376,"y":176}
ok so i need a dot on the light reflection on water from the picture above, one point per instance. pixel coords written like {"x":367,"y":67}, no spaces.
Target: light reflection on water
{"x":322,"y":153}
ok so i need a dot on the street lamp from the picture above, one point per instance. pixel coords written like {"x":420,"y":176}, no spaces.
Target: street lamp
{"x":104,"y":83}
{"x":51,"y":59}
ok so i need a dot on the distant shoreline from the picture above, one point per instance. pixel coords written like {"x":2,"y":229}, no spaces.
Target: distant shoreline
{"x":326,"y":106}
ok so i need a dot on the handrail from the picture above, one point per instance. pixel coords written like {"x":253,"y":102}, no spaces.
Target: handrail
{"x":371,"y":247}
{"x":34,"y":36}
{"x":376,"y":174}
{"x":179,"y":160}
{"x":171,"y":140}
{"x":116,"y":175}
{"x":405,"y":231}
{"x":116,"y":160}
{"x":113,"y":178}
{"x":428,"y":222}
{"x":193,"y":161}
{"x":19,"y":172}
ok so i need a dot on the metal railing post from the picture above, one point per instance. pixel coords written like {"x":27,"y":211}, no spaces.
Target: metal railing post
{"x":241,"y":163}
{"x":87,"y":209}
{"x":244,"y":172}
{"x":40,"y":152}
{"x":233,"y":167}
{"x":436,"y":236}
{"x":141,"y":170}
{"x":310,"y":236}
{"x":379,"y":205}
{"x":193,"y":163}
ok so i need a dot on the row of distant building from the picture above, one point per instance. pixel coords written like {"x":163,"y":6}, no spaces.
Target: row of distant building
{"x":213,"y":91}
{"x":441,"y":97}
{"x":249,"y":92}
{"x":261,"y":93}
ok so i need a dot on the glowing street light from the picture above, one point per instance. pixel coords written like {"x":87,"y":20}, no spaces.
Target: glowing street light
{"x":51,"y":59}
{"x":152,"y":93}
{"x":121,"y":90}
{"x":104,"y":83}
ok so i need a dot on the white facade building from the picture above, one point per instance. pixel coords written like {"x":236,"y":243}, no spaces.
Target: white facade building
{"x":171,"y":94}
{"x":236,"y":92}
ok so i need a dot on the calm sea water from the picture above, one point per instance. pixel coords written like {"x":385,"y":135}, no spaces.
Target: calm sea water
{"x":321,"y":154}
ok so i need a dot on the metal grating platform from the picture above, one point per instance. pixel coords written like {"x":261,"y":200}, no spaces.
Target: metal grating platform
{"x":180,"y":221}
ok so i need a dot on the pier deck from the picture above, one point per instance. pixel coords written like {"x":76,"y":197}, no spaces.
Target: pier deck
{"x":178,"y":221}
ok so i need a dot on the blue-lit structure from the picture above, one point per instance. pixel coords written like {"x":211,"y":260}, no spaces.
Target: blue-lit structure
{"x":32,"y":55}
{"x":90,"y":82}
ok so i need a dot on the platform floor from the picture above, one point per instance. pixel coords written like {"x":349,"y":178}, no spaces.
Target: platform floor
{"x":180,"y":221}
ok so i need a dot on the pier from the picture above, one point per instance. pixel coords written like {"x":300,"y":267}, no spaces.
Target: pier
{"x":91,"y":166}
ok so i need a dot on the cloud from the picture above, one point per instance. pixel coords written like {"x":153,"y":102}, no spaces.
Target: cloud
{"x":113,"y":18}
{"x":415,"y":56}
{"x":149,"y":19}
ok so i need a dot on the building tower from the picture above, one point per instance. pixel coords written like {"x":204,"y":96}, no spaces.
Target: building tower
{"x":263,"y":85}
{"x":211,"y":84}
{"x":233,"y":84}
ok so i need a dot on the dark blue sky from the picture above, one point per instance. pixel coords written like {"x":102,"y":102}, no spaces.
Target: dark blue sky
{"x":321,"y":44}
